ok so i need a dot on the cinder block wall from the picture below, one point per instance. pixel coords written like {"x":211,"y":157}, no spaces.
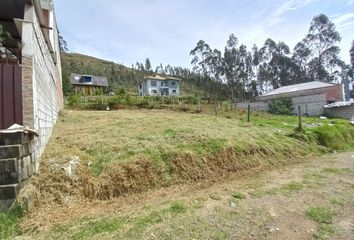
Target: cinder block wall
{"x":17,"y":164}
{"x":42,"y":86}
{"x":255,"y":106}
{"x":311,"y":105}
{"x":341,"y":112}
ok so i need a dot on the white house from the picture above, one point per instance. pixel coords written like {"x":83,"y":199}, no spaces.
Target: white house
{"x":159,"y":86}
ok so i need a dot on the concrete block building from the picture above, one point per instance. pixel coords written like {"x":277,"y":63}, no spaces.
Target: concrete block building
{"x":310,"y":96}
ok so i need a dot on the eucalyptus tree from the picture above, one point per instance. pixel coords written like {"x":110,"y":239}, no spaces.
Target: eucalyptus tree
{"x":230,"y":63}
{"x":301,"y":57}
{"x":201,"y":55}
{"x":321,"y":40}
{"x":352,"y":54}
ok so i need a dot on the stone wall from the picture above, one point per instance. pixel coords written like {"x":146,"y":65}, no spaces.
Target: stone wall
{"x":17,"y":164}
{"x":341,"y":112}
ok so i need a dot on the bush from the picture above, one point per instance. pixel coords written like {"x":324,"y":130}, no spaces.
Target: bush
{"x":74,"y":100}
{"x":281,"y":105}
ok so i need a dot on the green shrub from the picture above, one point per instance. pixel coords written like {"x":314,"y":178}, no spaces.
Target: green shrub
{"x":281,"y":105}
{"x":74,"y":100}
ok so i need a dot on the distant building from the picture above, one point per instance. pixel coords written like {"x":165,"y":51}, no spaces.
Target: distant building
{"x":159,"y":86}
{"x":88,"y":84}
{"x":311,"y":96}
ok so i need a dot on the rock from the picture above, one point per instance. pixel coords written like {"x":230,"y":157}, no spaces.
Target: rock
{"x":232,"y":204}
{"x":71,"y":166}
{"x":323,"y":117}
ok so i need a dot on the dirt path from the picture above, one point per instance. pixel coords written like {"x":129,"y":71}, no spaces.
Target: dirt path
{"x":313,"y":199}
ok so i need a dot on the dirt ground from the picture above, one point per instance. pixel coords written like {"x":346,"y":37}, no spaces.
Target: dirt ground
{"x":273,"y":204}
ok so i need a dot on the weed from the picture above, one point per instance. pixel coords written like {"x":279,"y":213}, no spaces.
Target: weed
{"x":98,"y":227}
{"x":169,"y":133}
{"x":177,"y":207}
{"x":9,"y":223}
{"x":335,"y":171}
{"x":238,"y":195}
{"x":324,"y":232}
{"x":215,"y":196}
{"x":320,"y":214}
{"x":337,"y":201}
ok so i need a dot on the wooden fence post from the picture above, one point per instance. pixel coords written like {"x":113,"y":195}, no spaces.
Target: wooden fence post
{"x":248,"y":112}
{"x":300,"y":118}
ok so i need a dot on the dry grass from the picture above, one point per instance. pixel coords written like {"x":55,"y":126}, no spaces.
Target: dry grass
{"x":134,"y":150}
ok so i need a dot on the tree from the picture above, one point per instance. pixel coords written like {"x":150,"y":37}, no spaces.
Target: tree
{"x":321,"y":40}
{"x":352,"y":54}
{"x":148,"y":65}
{"x":301,"y":57}
{"x":201,"y":54}
{"x":63,"y":46}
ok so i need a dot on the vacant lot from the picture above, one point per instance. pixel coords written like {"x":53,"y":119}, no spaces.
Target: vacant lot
{"x":309,"y":200}
{"x":132,"y":174}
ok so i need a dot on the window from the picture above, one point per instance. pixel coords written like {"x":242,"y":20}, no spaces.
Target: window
{"x":174,"y":91}
{"x":139,"y":86}
{"x":153,"y":83}
{"x":86,"y":79}
{"x":162,"y":84}
{"x":173,"y":83}
{"x":154,"y":91}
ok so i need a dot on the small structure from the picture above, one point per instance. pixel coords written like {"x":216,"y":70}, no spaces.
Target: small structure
{"x":340,"y":109}
{"x":88,"y":84}
{"x":311,"y":96}
{"x":159,"y":86}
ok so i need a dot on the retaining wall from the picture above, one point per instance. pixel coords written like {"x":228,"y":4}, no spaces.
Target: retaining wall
{"x":17,"y":164}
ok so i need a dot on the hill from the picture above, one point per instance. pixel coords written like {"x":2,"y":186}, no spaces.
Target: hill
{"x":120,"y":76}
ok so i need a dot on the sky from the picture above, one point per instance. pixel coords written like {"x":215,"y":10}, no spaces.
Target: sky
{"x":165,"y":31}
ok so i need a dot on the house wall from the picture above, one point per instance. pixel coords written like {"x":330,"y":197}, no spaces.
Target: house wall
{"x":147,"y":87}
{"x":311,"y":105}
{"x":334,"y":93}
{"x":42,"y":86}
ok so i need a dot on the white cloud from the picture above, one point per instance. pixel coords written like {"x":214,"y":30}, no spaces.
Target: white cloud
{"x":291,"y":5}
{"x":350,"y":2}
{"x":344,"y":21}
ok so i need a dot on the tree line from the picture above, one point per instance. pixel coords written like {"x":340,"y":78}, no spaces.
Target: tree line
{"x":236,"y":72}
{"x":249,"y":73}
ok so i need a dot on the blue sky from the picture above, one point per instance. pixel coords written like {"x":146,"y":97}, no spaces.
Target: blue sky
{"x":126,"y":31}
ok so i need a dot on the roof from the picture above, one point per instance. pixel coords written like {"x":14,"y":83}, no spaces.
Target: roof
{"x":339,"y":104}
{"x":299,"y":87}
{"x":77,"y":79}
{"x":157,"y":77}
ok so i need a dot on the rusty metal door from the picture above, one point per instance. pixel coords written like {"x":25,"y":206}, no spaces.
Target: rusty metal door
{"x":10,"y":95}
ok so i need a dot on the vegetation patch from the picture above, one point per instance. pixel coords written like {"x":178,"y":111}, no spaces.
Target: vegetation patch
{"x":320,"y":214}
{"x":324,"y":232}
{"x":10,"y":223}
{"x":238,"y":195}
{"x":335,"y":171}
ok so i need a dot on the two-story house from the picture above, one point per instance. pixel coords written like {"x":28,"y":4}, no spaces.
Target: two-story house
{"x":159,"y":86}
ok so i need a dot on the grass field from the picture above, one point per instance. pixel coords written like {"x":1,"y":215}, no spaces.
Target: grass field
{"x":123,"y":154}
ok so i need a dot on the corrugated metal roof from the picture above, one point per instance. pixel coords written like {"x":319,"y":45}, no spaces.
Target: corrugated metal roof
{"x":298,"y":87}
{"x":339,"y":104}
{"x":76,"y":79}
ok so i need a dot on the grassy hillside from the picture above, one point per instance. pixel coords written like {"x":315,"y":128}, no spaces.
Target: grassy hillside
{"x":119,"y":76}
